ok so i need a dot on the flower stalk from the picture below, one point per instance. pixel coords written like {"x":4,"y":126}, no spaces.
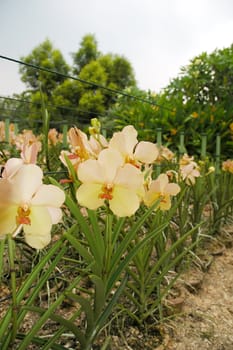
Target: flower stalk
{"x":14,"y":309}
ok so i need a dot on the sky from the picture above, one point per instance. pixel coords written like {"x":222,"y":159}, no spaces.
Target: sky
{"x":156,"y":37}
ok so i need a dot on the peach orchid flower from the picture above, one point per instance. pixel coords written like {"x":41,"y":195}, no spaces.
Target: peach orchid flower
{"x":134,"y":152}
{"x":189,"y":173}
{"x":108,"y":179}
{"x":29,"y":205}
{"x":161,"y":189}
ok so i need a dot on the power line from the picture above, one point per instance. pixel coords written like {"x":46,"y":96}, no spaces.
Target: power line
{"x":48,"y":105}
{"x":83,"y":81}
{"x":76,"y":110}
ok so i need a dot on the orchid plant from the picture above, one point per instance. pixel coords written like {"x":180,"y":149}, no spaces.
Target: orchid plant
{"x":120,"y":212}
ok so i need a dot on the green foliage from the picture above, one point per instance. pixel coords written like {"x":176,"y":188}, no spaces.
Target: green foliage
{"x":200,"y":100}
{"x":87,"y":53}
{"x":106,"y":266}
{"x":132,"y":111}
{"x":44,"y":56}
{"x":75,"y":101}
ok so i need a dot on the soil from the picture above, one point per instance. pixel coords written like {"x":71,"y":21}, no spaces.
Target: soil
{"x":205,"y":320}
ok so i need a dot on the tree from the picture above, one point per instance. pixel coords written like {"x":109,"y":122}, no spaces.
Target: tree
{"x":89,"y":93}
{"x":44,"y":56}
{"x":88,"y":52}
{"x":200,"y":101}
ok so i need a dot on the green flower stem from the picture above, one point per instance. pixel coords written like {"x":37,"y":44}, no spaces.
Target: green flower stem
{"x":11,"y":250}
{"x":108,"y":246}
{"x":2,"y":248}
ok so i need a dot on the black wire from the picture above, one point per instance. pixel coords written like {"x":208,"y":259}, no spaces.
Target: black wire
{"x":49,"y":105}
{"x":114,"y":91}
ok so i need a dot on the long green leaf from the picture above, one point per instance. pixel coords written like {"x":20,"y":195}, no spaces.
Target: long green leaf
{"x":4,"y":324}
{"x":60,"y":331}
{"x":124,"y":263}
{"x":169,"y":252}
{"x":99,"y":294}
{"x":103,"y":317}
{"x":2,"y":248}
{"x":57,"y":318}
{"x":41,"y":342}
{"x":47,"y":315}
{"x":86,"y":229}
{"x":86,"y":307}
{"x":121,"y":249}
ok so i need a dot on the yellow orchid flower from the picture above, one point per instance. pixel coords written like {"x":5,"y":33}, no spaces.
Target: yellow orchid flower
{"x":163,"y":190}
{"x":29,"y":205}
{"x":133,"y":152}
{"x":108,"y":179}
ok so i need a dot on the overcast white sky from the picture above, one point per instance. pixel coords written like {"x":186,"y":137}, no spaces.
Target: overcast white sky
{"x":157,"y":37}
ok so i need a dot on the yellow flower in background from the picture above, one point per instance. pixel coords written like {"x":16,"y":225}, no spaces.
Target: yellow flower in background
{"x":211,"y":118}
{"x":227,"y":165}
{"x":161,"y":189}
{"x":109,"y":179}
{"x":173,"y":131}
{"x":195,"y":115}
{"x":28,"y":205}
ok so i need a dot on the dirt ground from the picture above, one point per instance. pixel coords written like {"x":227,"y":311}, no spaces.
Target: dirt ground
{"x":205,"y":319}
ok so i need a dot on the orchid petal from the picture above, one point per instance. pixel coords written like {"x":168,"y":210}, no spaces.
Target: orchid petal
{"x":129,"y":176}
{"x":8,"y":192}
{"x":172,"y":189}
{"x":39,"y":241}
{"x":88,"y":195}
{"x":110,"y":160}
{"x":163,"y":180}
{"x":165,"y":203}
{"x":124,"y":141}
{"x":146,"y":152}
{"x":151,"y":197}
{"x":90,"y":171}
{"x":55,"y":214}
{"x":8,"y":219}
{"x":48,"y":195}
{"x":27,"y":180}
{"x":37,"y":234}
{"x":11,"y":167}
{"x":125,"y":202}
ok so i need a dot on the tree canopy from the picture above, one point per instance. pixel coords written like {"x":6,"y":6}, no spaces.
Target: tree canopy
{"x":45,"y":56}
{"x":88,"y":94}
{"x":198,"y":101}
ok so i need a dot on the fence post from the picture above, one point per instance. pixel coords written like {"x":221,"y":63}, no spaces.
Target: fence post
{"x":7,"y":130}
{"x":64,"y":133}
{"x":159,"y":144}
{"x":218,"y":154}
{"x":159,"y":137}
{"x":203,"y":145}
{"x":182,"y":148}
{"x":16,"y":129}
